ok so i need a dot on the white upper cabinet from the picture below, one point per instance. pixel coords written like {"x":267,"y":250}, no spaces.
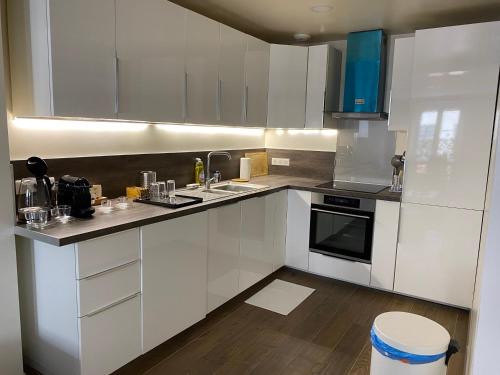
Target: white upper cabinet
{"x":454,"y":90}
{"x":256,"y":82}
{"x":231,"y":75}
{"x":150,"y":46}
{"x":323,"y":85}
{"x":202,"y":70}
{"x":402,"y":66}
{"x":287,"y":87}
{"x":63,"y":58}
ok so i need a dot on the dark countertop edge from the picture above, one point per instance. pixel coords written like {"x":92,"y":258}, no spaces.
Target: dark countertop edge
{"x":69,"y":240}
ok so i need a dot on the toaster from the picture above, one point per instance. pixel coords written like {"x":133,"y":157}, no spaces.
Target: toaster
{"x":75,"y":192}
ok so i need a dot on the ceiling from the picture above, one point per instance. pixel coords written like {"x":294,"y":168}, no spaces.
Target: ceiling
{"x":277,"y":20}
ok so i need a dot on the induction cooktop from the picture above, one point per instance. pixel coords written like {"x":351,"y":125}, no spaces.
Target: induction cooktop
{"x":353,"y":186}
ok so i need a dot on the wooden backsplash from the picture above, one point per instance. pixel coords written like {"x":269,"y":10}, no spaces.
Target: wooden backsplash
{"x":114,"y":173}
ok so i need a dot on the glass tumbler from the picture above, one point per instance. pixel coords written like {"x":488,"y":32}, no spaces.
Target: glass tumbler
{"x":154,"y":191}
{"x":171,"y":189}
{"x":38,"y":218}
{"x":162,"y":189}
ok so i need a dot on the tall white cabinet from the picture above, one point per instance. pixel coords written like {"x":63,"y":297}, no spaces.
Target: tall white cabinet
{"x":63,"y":58}
{"x":287,"y":86}
{"x":453,"y":96}
{"x":151,"y":74}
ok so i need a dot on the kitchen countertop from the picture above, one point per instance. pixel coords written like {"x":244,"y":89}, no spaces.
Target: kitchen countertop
{"x":143,"y":214}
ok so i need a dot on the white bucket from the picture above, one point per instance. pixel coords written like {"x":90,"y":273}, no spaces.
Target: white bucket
{"x":408,"y":344}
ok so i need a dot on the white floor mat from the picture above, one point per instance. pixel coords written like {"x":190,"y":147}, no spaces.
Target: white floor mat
{"x":280,"y":296}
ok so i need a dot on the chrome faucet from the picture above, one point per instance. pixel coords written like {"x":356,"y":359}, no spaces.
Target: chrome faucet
{"x":209,"y":180}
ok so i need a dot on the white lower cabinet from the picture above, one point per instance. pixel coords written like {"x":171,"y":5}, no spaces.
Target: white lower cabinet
{"x":174,"y":277}
{"x":385,"y":242}
{"x":224,"y":229}
{"x":297,"y":229}
{"x":111,"y":338}
{"x":257,"y":240}
{"x":74,"y":325}
{"x":437,"y":253}
{"x":280,"y":215}
{"x":354,"y":272}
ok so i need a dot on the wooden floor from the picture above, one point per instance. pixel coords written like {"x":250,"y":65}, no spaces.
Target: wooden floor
{"x":327,"y":334}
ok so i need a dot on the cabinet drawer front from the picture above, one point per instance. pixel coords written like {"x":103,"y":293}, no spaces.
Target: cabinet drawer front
{"x":105,"y":288}
{"x":107,"y":252}
{"x":111,"y":338}
{"x":354,"y":272}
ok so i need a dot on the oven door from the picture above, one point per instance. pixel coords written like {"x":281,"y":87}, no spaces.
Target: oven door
{"x":341,"y":233}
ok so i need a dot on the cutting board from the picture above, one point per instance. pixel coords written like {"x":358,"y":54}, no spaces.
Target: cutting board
{"x":259,"y":163}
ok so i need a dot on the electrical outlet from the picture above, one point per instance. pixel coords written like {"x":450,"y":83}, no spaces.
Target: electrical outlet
{"x":285,"y":162}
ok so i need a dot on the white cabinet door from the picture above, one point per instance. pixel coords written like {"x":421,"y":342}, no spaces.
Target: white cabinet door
{"x":150,"y":46}
{"x":82,"y":45}
{"x":402,"y":66}
{"x":437,"y":253}
{"x":231,"y":75}
{"x":287,"y":86}
{"x":297,"y":229}
{"x":281,"y":203}
{"x":316,"y":85}
{"x":224,"y":227}
{"x":202,"y":69}
{"x":110,"y":338}
{"x":174,"y":277}
{"x":454,"y":87}
{"x":257,"y":81}
{"x":257,"y":240}
{"x":385,"y":242}
{"x":341,"y":269}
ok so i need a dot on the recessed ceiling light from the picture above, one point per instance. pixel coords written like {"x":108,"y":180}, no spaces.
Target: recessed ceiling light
{"x":321,"y":8}
{"x":302,"y":37}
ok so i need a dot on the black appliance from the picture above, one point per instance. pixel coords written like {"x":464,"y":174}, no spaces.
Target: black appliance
{"x":342,"y":227}
{"x":353,"y":186}
{"x":75,"y":192}
{"x":38,"y":167}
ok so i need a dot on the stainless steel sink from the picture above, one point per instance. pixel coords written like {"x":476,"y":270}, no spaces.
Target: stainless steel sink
{"x":220,"y":190}
{"x":236,"y":188}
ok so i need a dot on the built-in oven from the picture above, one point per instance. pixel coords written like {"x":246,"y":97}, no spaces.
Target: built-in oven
{"x":342,"y":227}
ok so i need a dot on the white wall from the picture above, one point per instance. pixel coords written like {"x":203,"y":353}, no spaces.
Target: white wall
{"x":10,"y":329}
{"x":484,"y":329}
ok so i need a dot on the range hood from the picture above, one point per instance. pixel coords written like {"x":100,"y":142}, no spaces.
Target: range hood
{"x":364,"y":85}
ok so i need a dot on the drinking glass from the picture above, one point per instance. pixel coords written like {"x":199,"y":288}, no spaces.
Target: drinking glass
{"x":61,"y":213}
{"x":171,"y":188}
{"x":162,"y":189}
{"x":37,"y":218}
{"x":154,"y":191}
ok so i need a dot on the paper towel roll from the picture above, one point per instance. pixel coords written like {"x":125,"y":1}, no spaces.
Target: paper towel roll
{"x":245,"y":168}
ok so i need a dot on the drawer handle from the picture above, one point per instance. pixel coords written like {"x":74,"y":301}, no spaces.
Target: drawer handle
{"x":110,"y":270}
{"x":102,"y":309}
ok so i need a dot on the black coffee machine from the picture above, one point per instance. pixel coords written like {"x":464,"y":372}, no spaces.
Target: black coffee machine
{"x":75,"y":192}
